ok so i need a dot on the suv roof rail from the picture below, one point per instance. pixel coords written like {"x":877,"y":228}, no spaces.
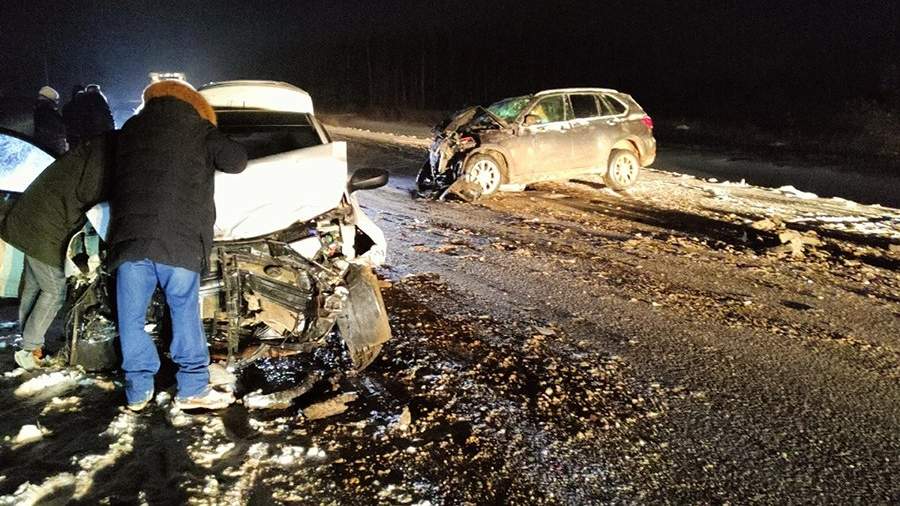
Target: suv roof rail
{"x":576,"y":90}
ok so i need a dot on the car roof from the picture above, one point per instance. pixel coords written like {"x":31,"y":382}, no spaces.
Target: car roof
{"x":265,"y":95}
{"x":577,"y":90}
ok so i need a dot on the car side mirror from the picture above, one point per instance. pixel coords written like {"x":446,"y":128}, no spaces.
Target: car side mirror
{"x":367,"y":179}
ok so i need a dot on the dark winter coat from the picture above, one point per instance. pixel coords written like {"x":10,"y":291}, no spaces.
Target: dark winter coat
{"x":97,"y":118}
{"x":86,"y":116}
{"x":53,"y":207}
{"x":162,"y":205}
{"x":71,"y":114}
{"x":49,"y":129}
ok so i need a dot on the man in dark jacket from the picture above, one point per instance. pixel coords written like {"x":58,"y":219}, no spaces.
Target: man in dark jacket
{"x":40,"y":224}
{"x":161,"y":231}
{"x":97,"y":116}
{"x":71,"y":113}
{"x":49,"y":129}
{"x":87,"y":114}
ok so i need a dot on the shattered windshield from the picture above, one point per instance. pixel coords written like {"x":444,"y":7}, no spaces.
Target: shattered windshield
{"x":266,"y":133}
{"x":509,"y":109}
{"x":20,"y":163}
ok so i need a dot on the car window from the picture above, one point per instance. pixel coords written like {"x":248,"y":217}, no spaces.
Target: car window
{"x":614,"y":106}
{"x":549,"y":110}
{"x":584,"y":106}
{"x":266,"y":133}
{"x":509,"y":109}
{"x":20,"y":163}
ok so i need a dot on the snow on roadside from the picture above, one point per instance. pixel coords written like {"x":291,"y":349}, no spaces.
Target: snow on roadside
{"x":713,"y":197}
{"x":384,"y":137}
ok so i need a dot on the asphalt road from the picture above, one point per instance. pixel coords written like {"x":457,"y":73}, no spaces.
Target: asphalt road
{"x":562,"y":345}
{"x":747,"y":376}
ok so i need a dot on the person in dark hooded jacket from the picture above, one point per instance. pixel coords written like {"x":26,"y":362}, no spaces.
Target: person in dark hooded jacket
{"x":87,"y":114}
{"x":49,"y":129}
{"x":40,"y":224}
{"x":71,"y":114}
{"x":161,"y":230}
{"x":97,"y":117}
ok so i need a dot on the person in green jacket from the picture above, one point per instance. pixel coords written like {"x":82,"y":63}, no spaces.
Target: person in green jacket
{"x":40,"y":224}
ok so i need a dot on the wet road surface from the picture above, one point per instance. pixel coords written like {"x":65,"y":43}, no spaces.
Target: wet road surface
{"x":555,"y":346}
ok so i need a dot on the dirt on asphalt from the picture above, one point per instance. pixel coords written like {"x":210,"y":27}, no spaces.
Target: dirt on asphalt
{"x":562,"y":345}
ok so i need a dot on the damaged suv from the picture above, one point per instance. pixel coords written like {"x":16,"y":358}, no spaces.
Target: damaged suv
{"x":553,"y":134}
{"x":293,"y":252}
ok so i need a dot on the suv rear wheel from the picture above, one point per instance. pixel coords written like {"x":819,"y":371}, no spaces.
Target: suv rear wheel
{"x":624,"y":168}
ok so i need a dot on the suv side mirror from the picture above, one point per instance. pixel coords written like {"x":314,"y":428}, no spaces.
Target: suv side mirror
{"x":367,"y":179}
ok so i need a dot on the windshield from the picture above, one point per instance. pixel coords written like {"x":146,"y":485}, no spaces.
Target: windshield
{"x":509,"y":109}
{"x":265,"y":133}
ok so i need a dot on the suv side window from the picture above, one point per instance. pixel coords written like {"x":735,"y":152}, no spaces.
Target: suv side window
{"x":613,"y":106}
{"x":584,"y":106}
{"x":548,"y":110}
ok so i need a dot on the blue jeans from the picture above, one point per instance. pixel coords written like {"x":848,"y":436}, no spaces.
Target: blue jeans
{"x":135,"y":284}
{"x":43,"y":295}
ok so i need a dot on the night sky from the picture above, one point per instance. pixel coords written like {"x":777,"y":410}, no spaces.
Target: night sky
{"x":682,"y":59}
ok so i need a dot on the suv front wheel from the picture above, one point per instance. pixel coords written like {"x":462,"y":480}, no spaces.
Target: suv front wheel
{"x":624,"y":168}
{"x":485,"y":171}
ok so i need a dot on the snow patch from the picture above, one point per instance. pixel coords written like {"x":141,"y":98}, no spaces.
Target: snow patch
{"x":790,"y":190}
{"x":54,"y":381}
{"x":62,"y":405}
{"x":386,"y":137}
{"x":29,"y":434}
{"x":29,"y":494}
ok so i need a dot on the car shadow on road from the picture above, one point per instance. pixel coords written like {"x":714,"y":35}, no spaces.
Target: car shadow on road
{"x":721,"y":233}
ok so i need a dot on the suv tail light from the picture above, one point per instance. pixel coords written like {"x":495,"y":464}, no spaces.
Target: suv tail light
{"x":648,"y":122}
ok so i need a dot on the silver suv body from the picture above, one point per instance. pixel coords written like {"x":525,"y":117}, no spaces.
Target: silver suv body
{"x":552,"y":134}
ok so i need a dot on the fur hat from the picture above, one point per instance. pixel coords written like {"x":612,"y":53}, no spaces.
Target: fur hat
{"x":48,"y":93}
{"x":184,"y":92}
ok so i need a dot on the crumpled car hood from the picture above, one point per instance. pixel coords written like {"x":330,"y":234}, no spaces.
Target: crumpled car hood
{"x":276,"y":191}
{"x":271,"y":194}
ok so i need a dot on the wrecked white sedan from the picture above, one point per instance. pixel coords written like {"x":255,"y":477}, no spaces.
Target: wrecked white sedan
{"x":293,"y":252}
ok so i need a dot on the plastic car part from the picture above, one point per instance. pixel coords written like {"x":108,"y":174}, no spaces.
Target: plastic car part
{"x":364,"y":323}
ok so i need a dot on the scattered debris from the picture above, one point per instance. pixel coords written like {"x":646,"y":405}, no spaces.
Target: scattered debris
{"x":220,"y":376}
{"x":283,"y":398}
{"x":797,"y":241}
{"x":467,"y":191}
{"x":768,"y":224}
{"x":334,"y":406}
{"x":404,"y":421}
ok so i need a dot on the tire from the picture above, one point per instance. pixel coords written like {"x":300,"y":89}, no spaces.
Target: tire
{"x":485,"y":171}
{"x":623,"y":171}
{"x":425,"y":178}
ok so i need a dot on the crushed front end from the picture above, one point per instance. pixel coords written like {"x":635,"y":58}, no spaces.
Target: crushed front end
{"x":283,"y":293}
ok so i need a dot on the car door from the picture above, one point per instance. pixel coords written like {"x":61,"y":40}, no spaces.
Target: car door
{"x":587,"y":134}
{"x":545,"y":139}
{"x":610,"y":127}
{"x":20,"y":163}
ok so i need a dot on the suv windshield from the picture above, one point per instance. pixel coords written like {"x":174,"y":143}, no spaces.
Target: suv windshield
{"x":509,"y":109}
{"x":266,"y":133}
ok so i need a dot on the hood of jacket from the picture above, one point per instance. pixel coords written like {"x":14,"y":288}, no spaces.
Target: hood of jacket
{"x":184,"y":92}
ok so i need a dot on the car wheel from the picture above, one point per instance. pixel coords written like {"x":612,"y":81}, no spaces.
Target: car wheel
{"x":624,"y":168}
{"x":485,"y":171}
{"x":425,"y":178}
